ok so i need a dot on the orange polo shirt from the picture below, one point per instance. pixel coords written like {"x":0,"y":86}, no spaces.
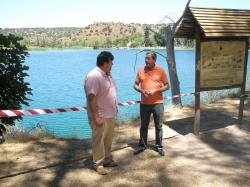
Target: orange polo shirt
{"x":151,"y":79}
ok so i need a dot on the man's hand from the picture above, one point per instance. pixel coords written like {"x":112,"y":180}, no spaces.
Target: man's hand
{"x":160,"y":90}
{"x":138,"y":89}
{"x":145,"y":93}
{"x":98,"y":121}
{"x":93,"y":107}
{"x":152,"y":92}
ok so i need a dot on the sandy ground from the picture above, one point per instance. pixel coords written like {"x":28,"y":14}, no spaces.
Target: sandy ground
{"x":220,"y":156}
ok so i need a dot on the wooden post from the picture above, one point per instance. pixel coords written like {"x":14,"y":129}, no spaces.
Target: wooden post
{"x":197,"y":82}
{"x":243,"y":87}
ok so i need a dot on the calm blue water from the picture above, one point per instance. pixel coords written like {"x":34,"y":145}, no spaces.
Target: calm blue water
{"x":56,"y":78}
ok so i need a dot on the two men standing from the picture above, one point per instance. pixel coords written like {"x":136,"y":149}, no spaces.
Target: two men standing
{"x":100,"y":91}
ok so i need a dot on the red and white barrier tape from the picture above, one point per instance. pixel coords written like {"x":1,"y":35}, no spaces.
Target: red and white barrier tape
{"x":30,"y":112}
{"x":179,"y":95}
{"x":15,"y":113}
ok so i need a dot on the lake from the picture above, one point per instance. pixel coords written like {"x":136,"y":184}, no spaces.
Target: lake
{"x":56,"y":78}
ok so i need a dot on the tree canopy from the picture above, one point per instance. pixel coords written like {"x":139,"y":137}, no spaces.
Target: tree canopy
{"x":15,"y":89}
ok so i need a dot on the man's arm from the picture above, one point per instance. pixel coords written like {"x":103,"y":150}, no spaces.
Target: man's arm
{"x":160,"y":90}
{"x":138,"y":89}
{"x":93,"y":108}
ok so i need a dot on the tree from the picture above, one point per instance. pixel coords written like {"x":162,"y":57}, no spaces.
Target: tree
{"x":108,"y":43}
{"x":169,"y":35}
{"x":169,"y":42}
{"x":96,"y":45}
{"x":121,"y":42}
{"x":146,"y":37}
{"x":136,"y":40}
{"x":14,"y":88}
{"x":160,"y":41}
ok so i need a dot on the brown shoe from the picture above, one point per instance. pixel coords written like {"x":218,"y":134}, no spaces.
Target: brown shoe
{"x":101,"y":170}
{"x":111,"y":163}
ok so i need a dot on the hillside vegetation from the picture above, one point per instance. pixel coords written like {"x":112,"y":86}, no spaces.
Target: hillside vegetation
{"x":96,"y":35}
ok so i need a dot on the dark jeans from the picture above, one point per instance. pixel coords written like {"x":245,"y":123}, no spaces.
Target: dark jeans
{"x":145,"y":112}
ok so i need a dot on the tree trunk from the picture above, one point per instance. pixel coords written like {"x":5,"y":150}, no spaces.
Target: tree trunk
{"x":174,"y":81}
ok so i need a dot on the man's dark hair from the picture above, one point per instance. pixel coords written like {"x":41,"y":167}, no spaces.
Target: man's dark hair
{"x":153,"y":54}
{"x":103,"y":57}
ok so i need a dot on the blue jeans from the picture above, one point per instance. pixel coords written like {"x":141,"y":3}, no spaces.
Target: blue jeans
{"x":145,"y":111}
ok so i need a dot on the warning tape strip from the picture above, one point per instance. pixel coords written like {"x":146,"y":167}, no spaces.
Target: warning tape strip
{"x":30,"y":112}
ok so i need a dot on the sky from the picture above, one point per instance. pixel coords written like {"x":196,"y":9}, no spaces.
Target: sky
{"x":80,"y":13}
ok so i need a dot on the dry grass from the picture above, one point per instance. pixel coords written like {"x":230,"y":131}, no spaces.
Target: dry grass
{"x":21,"y":134}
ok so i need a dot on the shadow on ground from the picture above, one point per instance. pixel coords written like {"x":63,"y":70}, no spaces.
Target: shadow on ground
{"x":218,"y":157}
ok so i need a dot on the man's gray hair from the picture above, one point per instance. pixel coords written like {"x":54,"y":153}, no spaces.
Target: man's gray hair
{"x":153,"y":54}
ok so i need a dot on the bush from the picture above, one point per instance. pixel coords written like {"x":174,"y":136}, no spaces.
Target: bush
{"x":13,"y":87}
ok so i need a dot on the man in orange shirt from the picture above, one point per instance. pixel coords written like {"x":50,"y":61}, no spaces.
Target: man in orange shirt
{"x":151,"y":81}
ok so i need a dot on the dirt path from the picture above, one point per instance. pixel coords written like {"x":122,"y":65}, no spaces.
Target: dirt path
{"x":220,"y":156}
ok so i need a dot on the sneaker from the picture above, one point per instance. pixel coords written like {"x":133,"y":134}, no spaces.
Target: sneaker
{"x":161,"y":151}
{"x":101,"y":170}
{"x":139,"y":150}
{"x":111,"y":163}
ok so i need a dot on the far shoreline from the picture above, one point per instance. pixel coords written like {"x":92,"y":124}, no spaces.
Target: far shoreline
{"x":116,"y":48}
{"x":91,"y":48}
